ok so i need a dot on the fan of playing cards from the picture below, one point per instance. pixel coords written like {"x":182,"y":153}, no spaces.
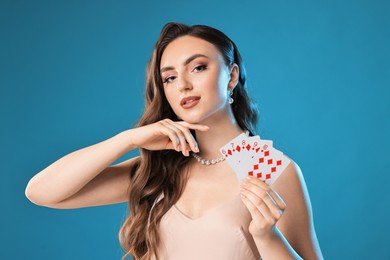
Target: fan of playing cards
{"x":249,"y":155}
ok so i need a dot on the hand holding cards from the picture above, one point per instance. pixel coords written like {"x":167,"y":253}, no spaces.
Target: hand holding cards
{"x":251,"y":156}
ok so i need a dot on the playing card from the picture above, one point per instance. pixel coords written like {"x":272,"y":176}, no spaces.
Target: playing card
{"x":237,"y":151}
{"x":254,"y":157}
{"x":234,"y":147}
{"x":268,"y":164}
{"x":250,"y":147}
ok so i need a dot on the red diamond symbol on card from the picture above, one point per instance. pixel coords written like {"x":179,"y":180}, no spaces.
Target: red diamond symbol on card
{"x":261,"y":160}
{"x":257,"y":150}
{"x":229,"y":152}
{"x":255,"y":167}
{"x":250,"y":173}
{"x":279,"y":162}
{"x":238,"y":148}
{"x":269,"y":161}
{"x":268,"y":176}
{"x":248,"y":147}
{"x":259,"y":175}
{"x":266,"y":153}
{"x":273,"y":169}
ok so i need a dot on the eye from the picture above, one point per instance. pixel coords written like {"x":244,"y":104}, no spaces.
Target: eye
{"x":200,"y":68}
{"x":169,"y":79}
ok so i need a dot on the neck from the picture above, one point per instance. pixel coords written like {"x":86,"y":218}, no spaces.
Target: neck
{"x":222,"y":130}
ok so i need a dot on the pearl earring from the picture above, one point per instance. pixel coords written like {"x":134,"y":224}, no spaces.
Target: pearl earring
{"x":230,"y":100}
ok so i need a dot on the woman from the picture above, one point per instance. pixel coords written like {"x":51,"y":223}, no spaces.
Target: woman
{"x":179,"y":208}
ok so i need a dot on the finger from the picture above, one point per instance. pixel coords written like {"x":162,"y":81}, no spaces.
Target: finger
{"x":264,"y":191}
{"x":258,"y":182}
{"x":274,"y":195}
{"x":183,"y":144}
{"x":254,"y":185}
{"x":194,"y":126}
{"x":184,"y":127}
{"x":279,"y":201}
{"x":175,"y":142}
{"x":255,"y":188}
{"x":252,"y":208}
{"x":272,"y":205}
{"x":189,"y":137}
{"x":263,"y":203}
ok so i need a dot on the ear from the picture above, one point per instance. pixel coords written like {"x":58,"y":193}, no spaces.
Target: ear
{"x":234,"y":75}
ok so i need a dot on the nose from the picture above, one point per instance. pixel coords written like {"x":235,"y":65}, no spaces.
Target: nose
{"x":183,"y":84}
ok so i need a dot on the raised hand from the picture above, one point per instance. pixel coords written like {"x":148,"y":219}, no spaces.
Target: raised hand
{"x":264,"y":204}
{"x":167,"y":134}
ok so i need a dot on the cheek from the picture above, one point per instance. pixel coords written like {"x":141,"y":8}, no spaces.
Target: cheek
{"x":221,"y":86}
{"x":212,"y":81}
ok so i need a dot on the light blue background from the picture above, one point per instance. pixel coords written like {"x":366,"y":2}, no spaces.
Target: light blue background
{"x":72,"y":74}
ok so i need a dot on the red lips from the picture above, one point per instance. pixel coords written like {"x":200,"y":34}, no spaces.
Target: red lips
{"x":189,"y":102}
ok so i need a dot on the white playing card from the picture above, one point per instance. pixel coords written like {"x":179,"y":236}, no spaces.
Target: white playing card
{"x":268,"y":164}
{"x":235,"y":153}
{"x":233,"y":147}
{"x":254,"y":157}
{"x":250,"y":148}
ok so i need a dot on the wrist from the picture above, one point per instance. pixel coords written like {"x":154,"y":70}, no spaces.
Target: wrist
{"x":265,"y":240}
{"x":127,"y":137}
{"x":275,"y":246}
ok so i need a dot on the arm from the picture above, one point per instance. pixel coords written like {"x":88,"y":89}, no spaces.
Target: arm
{"x":296,"y":224}
{"x":84,"y":178}
{"x":280,"y":231}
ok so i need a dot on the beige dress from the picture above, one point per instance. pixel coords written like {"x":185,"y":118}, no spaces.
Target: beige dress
{"x":220,"y":234}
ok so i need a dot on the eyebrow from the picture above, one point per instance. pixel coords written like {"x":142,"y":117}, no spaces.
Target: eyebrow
{"x":186,"y":62}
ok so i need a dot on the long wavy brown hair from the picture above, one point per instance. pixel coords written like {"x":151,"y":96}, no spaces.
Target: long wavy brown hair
{"x":165,"y":171}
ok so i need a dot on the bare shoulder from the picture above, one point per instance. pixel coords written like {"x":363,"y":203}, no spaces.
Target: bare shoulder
{"x":296,"y":223}
{"x":291,"y":182}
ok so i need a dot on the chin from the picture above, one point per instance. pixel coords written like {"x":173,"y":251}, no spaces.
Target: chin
{"x":191,"y":118}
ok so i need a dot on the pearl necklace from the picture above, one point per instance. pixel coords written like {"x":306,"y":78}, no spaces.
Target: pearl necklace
{"x":208,"y":162}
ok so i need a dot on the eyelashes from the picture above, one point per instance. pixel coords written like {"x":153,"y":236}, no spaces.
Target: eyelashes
{"x":203,"y":67}
{"x":198,"y":68}
{"x":169,"y":79}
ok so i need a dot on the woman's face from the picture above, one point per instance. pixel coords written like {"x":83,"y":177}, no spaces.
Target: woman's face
{"x":195,"y":79}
